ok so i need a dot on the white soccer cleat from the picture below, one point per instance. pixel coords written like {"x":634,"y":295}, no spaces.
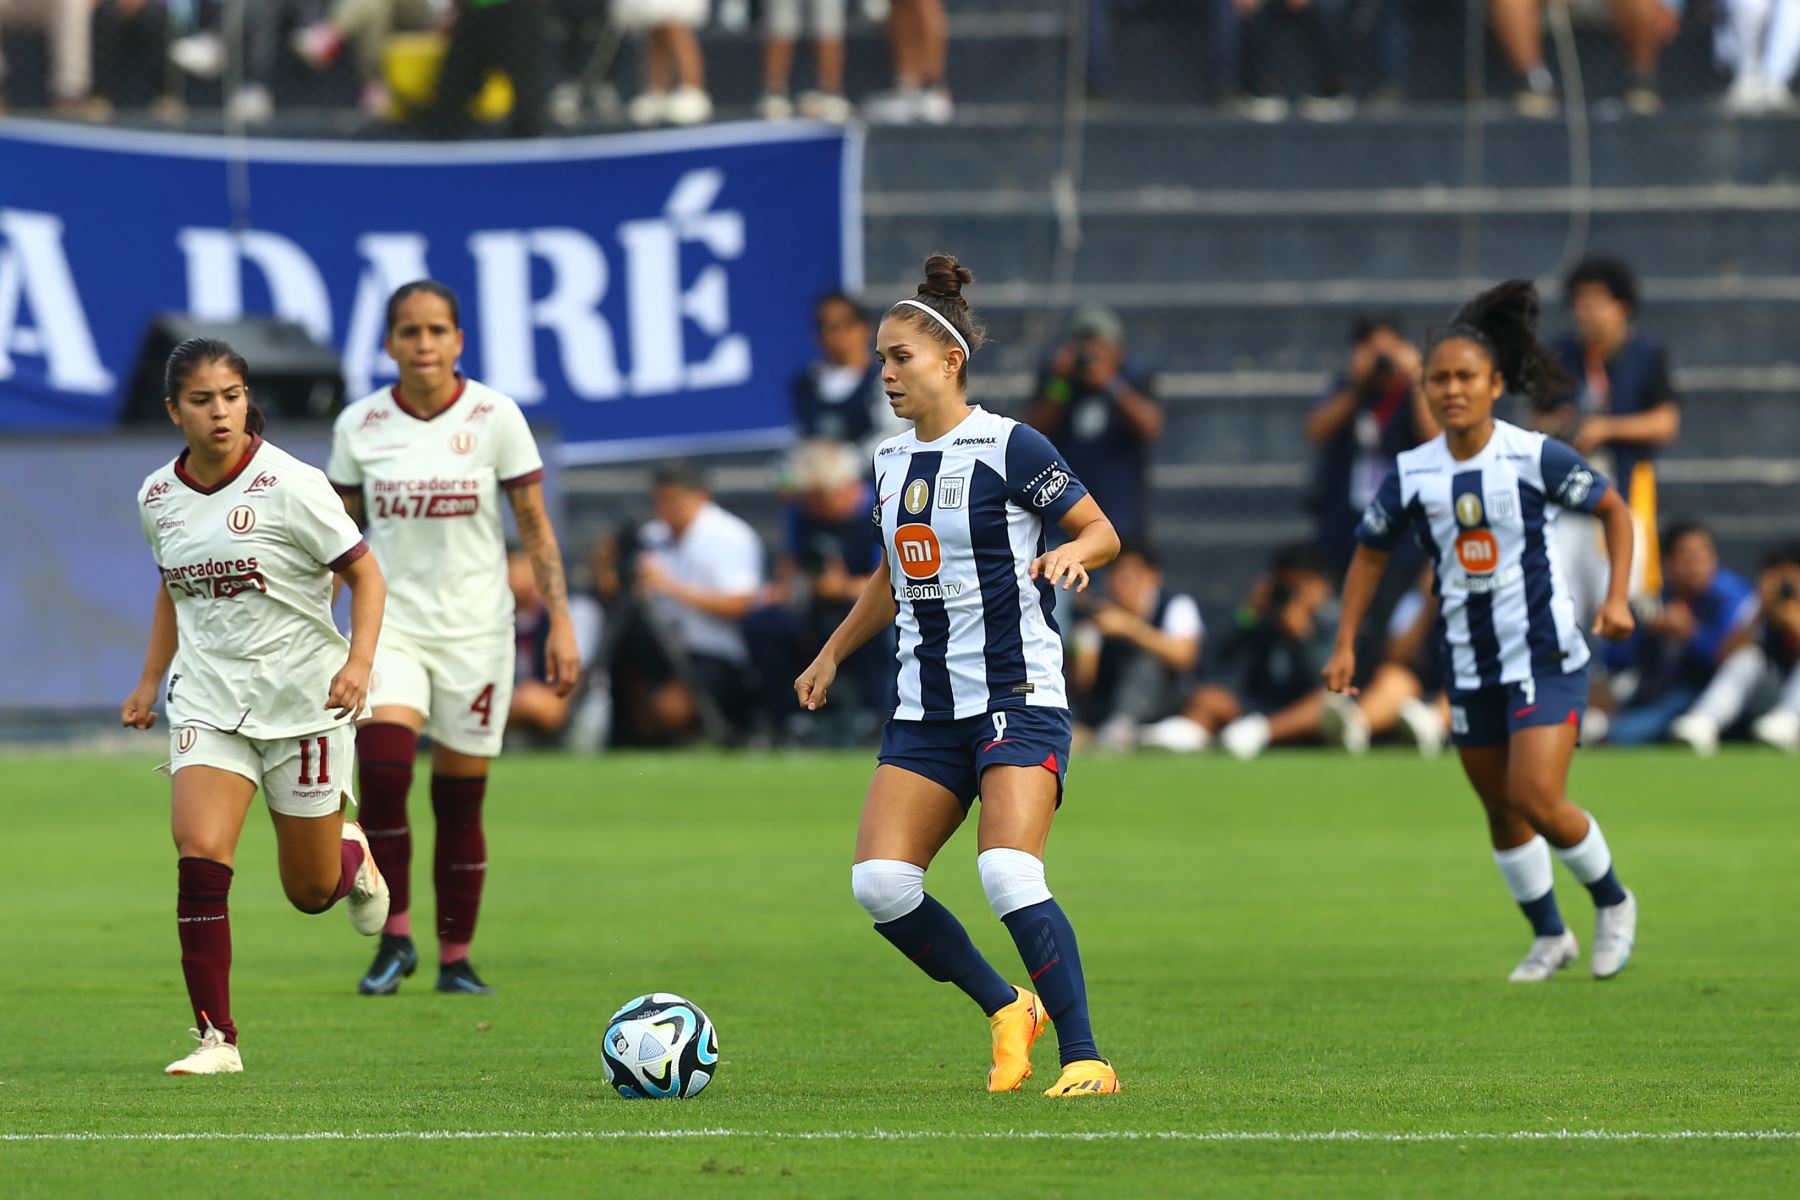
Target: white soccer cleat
{"x":1698,"y":731}
{"x":1245,"y":737}
{"x":1420,"y":722}
{"x":368,"y":898}
{"x":1615,"y":931}
{"x":213,"y":1056}
{"x":1344,"y":724}
{"x":1547,"y":956}
{"x":1780,"y":728}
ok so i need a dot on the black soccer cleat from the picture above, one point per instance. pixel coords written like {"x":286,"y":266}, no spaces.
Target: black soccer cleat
{"x":461,"y":977}
{"x":395,"y":958}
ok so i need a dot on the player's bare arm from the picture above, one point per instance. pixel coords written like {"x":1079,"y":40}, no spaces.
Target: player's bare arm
{"x":1366,"y":570}
{"x":873,"y":612}
{"x":562,"y":657}
{"x":139,"y":709}
{"x":1093,"y":542}
{"x":368,"y":597}
{"x":1614,"y":620}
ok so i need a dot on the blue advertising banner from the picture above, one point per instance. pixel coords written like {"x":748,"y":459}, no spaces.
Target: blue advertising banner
{"x":643,"y":293}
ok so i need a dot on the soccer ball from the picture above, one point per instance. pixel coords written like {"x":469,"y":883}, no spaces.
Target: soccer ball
{"x":659,"y":1047}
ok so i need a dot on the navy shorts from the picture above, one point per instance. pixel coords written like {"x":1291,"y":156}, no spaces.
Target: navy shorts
{"x":1489,"y":716}
{"x":955,"y":753}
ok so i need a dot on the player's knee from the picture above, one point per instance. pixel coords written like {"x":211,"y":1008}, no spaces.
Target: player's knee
{"x":887,"y":888}
{"x":1012,"y":880}
{"x":1533,"y":799}
{"x":309,"y":895}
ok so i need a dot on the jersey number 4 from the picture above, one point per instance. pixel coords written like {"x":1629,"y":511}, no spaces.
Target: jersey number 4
{"x":306,"y":747}
{"x":484,"y":705}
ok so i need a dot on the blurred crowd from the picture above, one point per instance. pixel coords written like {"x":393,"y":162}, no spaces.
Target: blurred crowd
{"x":694,"y":630}
{"x":449,"y":68}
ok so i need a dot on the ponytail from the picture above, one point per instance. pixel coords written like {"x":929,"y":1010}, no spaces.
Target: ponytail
{"x":1503,"y":322}
{"x":254,"y":420}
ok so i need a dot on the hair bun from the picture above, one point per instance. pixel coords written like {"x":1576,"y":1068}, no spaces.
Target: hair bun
{"x":945,"y":277}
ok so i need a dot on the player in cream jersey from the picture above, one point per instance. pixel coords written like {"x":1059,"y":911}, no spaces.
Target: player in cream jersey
{"x":263,"y":687}
{"x":423,"y":466}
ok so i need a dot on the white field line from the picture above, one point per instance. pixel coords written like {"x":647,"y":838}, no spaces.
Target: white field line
{"x":911,"y":1135}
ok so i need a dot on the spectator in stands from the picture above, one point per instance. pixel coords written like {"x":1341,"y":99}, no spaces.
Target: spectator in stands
{"x":1135,"y":650}
{"x":1373,"y":410}
{"x":919,"y":40}
{"x":840,"y":397}
{"x":538,"y":716}
{"x":830,"y":553}
{"x":782,"y":24}
{"x":365,"y":25}
{"x":696,"y":570}
{"x":674,"y":69}
{"x":1624,"y":409}
{"x":490,"y":35}
{"x":1263,"y":686}
{"x":1100,"y":411}
{"x":1293,"y":47}
{"x":131,"y":43}
{"x":68,"y":29}
{"x":1760,"y":677}
{"x":1406,"y":694}
{"x":1760,"y":41}
{"x":1644,"y":28}
{"x":1668,"y":662}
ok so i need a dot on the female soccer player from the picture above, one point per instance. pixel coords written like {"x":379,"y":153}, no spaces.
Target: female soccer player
{"x":264,"y":687}
{"x":422,"y":467}
{"x":962,"y":501}
{"x":1482,"y":498}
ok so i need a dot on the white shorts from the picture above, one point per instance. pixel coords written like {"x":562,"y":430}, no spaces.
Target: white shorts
{"x":307,"y":776}
{"x":647,"y":14}
{"x":462,"y":686}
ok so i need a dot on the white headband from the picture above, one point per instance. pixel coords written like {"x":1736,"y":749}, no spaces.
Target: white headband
{"x":939,"y":317}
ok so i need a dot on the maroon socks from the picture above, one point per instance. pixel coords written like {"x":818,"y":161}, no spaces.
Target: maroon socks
{"x":205,"y":928}
{"x":461,"y":861}
{"x":385,"y":755}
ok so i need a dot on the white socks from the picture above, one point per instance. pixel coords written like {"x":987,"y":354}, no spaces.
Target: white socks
{"x":1012,"y":880}
{"x":1526,"y":868}
{"x":1589,"y":859}
{"x":888,"y":888}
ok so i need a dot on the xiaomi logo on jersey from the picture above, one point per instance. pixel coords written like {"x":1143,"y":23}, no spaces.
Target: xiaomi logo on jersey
{"x":917,"y":551}
{"x":1477,"y":551}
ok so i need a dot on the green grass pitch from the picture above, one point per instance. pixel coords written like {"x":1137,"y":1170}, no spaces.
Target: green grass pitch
{"x":1275,"y":951}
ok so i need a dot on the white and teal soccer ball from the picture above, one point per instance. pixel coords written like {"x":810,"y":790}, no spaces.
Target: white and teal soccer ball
{"x":659,"y":1047}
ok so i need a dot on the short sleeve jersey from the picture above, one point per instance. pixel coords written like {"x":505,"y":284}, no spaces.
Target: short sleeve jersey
{"x":1487,"y":523}
{"x":961,"y":520}
{"x":431,"y":498}
{"x":248,"y":562}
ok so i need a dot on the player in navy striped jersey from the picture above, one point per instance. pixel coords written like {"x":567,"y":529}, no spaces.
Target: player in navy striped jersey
{"x":962,"y":499}
{"x":1482,"y":498}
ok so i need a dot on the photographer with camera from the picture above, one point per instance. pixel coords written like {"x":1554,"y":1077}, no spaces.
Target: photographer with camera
{"x":1374,"y":410}
{"x":1098,"y":410}
{"x":1760,"y":676}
